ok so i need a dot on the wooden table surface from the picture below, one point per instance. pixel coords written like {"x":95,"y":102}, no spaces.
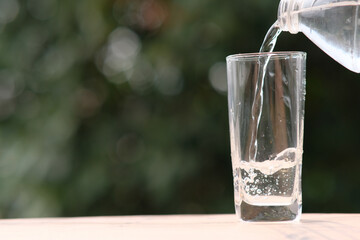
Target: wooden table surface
{"x":184,"y":227}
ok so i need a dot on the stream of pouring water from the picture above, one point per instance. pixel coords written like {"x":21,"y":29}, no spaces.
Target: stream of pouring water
{"x":270,"y":38}
{"x":256,"y":110}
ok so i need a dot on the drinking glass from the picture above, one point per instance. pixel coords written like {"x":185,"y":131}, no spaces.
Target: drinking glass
{"x":266,"y":99}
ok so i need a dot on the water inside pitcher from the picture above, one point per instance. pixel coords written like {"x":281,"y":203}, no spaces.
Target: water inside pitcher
{"x":331,"y":24}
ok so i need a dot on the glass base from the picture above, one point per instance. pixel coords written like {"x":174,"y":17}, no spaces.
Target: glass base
{"x":252,"y":213}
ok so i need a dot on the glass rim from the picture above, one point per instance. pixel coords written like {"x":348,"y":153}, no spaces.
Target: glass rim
{"x":256,"y":55}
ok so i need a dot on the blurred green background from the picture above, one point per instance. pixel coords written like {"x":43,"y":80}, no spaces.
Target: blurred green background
{"x":116,"y":107}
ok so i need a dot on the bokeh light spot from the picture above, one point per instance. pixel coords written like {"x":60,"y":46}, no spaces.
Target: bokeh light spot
{"x":9,"y":9}
{"x":147,"y":15}
{"x":217,"y":77}
{"x":151,"y":15}
{"x":120,"y":52}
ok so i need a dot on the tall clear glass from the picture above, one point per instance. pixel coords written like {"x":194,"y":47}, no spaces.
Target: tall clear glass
{"x":266,"y":97}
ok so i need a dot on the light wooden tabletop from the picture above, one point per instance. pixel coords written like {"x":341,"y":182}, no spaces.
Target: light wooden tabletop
{"x":184,"y":227}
